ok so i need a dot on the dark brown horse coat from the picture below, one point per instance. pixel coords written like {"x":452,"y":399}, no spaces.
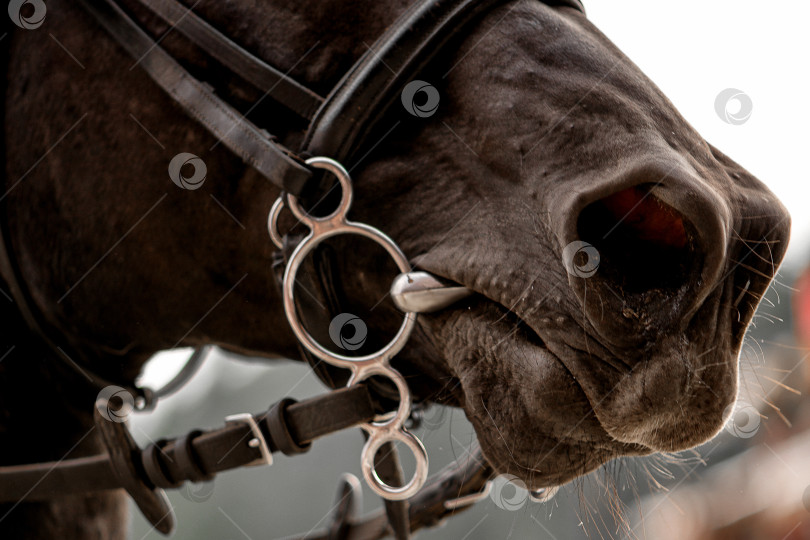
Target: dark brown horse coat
{"x":546,"y":134}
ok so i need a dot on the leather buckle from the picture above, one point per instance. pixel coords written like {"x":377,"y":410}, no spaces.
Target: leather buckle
{"x":258,"y":440}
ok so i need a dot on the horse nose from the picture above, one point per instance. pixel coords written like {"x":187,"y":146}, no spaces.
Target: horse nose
{"x":668,"y":278}
{"x":645,"y":256}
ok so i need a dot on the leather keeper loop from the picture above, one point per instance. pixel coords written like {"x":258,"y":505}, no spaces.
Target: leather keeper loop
{"x":125,"y":463}
{"x":276,"y":422}
{"x":187,"y":460}
{"x":154,"y":467}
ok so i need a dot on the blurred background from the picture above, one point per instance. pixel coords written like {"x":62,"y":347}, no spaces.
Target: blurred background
{"x":737,"y":70}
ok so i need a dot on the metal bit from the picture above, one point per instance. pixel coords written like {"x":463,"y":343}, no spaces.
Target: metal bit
{"x":422,"y":292}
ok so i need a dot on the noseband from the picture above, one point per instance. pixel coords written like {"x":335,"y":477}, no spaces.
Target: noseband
{"x":340,"y":129}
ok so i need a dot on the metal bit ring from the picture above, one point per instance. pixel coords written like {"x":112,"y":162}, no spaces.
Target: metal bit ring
{"x":362,"y":367}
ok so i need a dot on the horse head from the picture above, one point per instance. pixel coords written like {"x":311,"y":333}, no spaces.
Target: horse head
{"x":616,"y":257}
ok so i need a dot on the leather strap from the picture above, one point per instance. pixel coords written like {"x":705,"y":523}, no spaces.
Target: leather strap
{"x":375,"y":82}
{"x":144,"y":472}
{"x":464,"y":478}
{"x":121,"y":456}
{"x":210,"y":452}
{"x":349,"y":498}
{"x":280,"y":432}
{"x":153,"y":465}
{"x":188,"y":462}
{"x":296,"y":97}
{"x":238,"y":134}
{"x":386,"y":463}
{"x":361,"y":99}
{"x":576,"y":4}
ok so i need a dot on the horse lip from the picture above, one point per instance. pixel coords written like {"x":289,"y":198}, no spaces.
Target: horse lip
{"x":425,"y":292}
{"x":626,"y":448}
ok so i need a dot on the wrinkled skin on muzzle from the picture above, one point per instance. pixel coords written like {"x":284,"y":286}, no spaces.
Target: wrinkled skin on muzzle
{"x":618,"y":258}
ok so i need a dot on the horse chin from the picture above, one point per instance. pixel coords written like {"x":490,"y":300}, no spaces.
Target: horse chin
{"x":532,"y":418}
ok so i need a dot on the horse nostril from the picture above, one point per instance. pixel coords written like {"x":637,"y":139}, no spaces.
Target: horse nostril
{"x":643,"y":243}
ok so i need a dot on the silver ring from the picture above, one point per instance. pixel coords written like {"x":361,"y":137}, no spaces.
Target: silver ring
{"x":404,"y":409}
{"x":321,"y":229}
{"x":372,"y":446}
{"x":272,"y":223}
{"x":310,"y":242}
{"x":391,"y":429}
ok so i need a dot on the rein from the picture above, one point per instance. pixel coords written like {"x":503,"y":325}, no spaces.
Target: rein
{"x":340,"y":125}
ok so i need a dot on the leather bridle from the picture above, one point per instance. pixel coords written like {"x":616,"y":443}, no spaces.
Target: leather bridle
{"x":340,"y":125}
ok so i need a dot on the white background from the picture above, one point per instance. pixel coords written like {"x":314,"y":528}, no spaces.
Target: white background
{"x":694,"y":49}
